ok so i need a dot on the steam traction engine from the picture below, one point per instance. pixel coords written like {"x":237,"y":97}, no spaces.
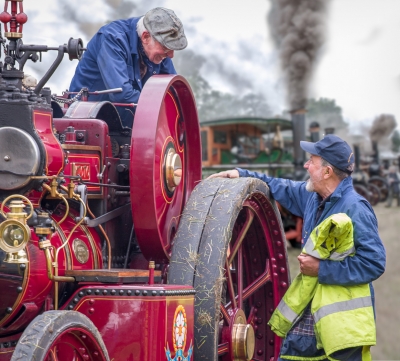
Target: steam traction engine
{"x":111,"y":247}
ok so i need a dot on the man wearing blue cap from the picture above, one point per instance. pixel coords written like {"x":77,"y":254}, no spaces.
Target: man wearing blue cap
{"x":329,"y":190}
{"x":125,"y":54}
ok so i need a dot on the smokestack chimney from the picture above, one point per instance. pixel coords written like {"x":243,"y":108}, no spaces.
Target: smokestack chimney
{"x":356,"y":149}
{"x":374,"y":167}
{"x":299,"y":133}
{"x":314,"y":132}
{"x":329,"y":130}
{"x":375,"y":152}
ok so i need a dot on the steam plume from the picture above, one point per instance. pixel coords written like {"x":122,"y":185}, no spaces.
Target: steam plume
{"x":382,"y":126}
{"x":116,"y":9}
{"x":297,"y":27}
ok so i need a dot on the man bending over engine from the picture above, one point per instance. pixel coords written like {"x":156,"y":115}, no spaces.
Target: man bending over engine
{"x":126,"y":53}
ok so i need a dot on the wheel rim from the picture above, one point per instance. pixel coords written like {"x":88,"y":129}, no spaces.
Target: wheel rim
{"x":382,"y":186}
{"x":74,"y":344}
{"x":362,"y":191}
{"x":252,"y":260}
{"x":375,"y":194}
{"x":247,"y":270}
{"x":165,"y":136}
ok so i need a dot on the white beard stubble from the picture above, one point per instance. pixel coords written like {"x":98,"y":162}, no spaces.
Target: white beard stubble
{"x":310,"y":185}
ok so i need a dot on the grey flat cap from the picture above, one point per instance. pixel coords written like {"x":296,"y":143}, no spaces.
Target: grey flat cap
{"x":166,"y":28}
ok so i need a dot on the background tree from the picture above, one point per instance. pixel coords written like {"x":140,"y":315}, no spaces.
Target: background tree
{"x":395,"y":139}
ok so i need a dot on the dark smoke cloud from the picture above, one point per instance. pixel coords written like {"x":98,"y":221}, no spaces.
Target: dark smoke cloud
{"x":298,"y":29}
{"x":382,"y":126}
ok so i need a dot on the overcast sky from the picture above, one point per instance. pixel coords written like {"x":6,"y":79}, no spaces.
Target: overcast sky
{"x":359,"y":64}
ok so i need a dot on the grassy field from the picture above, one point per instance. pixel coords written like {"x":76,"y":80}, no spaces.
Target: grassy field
{"x":387,"y":288}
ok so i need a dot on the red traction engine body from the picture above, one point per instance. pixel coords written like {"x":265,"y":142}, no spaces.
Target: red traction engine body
{"x":110,"y":246}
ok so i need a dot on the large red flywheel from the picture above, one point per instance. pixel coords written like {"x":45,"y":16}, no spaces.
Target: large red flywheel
{"x":165,"y":161}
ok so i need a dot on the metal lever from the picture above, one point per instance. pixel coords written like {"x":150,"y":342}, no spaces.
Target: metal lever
{"x":115,"y":90}
{"x":100,"y":175}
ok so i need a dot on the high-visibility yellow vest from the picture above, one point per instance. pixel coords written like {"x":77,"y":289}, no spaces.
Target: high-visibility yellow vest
{"x":343,"y":315}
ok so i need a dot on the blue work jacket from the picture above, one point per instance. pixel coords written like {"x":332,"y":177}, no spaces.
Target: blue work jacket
{"x":369,"y":260}
{"x":112,"y":61}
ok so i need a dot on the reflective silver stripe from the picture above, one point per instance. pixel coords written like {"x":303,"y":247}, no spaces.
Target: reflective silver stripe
{"x":335,"y":256}
{"x":342,"y":306}
{"x":309,"y":248}
{"x":286,"y":311}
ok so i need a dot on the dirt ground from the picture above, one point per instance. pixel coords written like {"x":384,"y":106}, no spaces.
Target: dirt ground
{"x":387,"y":287}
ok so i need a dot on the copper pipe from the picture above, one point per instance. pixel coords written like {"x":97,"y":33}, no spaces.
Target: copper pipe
{"x":105,"y":237}
{"x":59,"y":195}
{"x":87,"y":209}
{"x":50,"y":265}
{"x":55,"y":277}
{"x":72,"y":231}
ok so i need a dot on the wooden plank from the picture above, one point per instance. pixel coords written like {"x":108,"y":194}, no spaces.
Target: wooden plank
{"x":112,"y":275}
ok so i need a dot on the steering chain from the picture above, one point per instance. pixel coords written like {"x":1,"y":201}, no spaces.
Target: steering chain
{"x":67,"y":101}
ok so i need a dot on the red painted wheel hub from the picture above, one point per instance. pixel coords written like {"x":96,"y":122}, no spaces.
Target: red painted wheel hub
{"x":74,"y":344}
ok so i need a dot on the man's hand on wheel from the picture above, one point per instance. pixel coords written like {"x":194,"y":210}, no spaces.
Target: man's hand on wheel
{"x":233,"y":173}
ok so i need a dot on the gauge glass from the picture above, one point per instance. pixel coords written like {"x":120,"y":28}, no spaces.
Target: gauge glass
{"x":13,"y":235}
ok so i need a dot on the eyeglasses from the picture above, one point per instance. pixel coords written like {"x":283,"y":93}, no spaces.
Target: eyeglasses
{"x":165,"y":49}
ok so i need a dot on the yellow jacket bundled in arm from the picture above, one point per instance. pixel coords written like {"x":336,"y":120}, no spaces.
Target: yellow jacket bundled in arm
{"x":343,"y":315}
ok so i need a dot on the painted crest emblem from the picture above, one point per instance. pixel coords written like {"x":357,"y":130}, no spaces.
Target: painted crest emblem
{"x":179,"y":336}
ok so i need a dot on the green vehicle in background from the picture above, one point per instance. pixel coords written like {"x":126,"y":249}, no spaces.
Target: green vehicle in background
{"x":261,"y":144}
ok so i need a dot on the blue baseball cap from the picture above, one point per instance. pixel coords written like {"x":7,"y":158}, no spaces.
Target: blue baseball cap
{"x":334,"y":150}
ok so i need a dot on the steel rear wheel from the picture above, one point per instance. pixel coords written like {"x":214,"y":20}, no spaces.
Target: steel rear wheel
{"x":375,"y":194}
{"x":230,"y":247}
{"x":61,"y":336}
{"x":362,"y":191}
{"x":382,"y":185}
